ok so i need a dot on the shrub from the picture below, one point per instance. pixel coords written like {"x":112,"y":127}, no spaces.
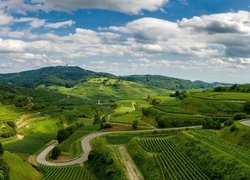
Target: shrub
{"x":56,"y":152}
{"x":97,"y":119}
{"x":135,"y":124}
{"x":161,"y":123}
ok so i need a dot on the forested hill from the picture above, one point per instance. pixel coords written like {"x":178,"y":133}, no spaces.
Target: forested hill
{"x":171,"y":83}
{"x":70,"y":76}
{"x":60,"y":75}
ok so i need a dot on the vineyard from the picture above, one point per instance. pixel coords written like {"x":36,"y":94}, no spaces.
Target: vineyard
{"x":174,"y":164}
{"x":66,"y":173}
{"x":235,"y":150}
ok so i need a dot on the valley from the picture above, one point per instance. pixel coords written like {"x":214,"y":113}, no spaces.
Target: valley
{"x":78,"y":124}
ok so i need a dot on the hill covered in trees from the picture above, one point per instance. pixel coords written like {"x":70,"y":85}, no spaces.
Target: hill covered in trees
{"x":70,"y":76}
{"x":171,"y":83}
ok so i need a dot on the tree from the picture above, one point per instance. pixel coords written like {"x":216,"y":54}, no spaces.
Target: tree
{"x":1,"y":149}
{"x":97,"y":119}
{"x":62,"y":135}
{"x":135,"y":124}
{"x":211,"y":123}
{"x":56,"y":152}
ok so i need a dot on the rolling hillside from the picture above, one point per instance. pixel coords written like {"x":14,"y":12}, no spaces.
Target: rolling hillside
{"x":109,"y":89}
{"x":70,"y":76}
{"x":171,"y":83}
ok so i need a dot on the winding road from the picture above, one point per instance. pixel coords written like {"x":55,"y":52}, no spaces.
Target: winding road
{"x":41,"y":158}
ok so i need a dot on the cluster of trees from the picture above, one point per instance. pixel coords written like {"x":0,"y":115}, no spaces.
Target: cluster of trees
{"x":104,"y":124}
{"x":168,"y":82}
{"x":16,"y":99}
{"x":211,"y":123}
{"x":56,"y":152}
{"x":62,"y":135}
{"x":245,"y":88}
{"x":101,"y":163}
{"x":179,"y":94}
{"x":153,"y":101}
{"x":4,"y":169}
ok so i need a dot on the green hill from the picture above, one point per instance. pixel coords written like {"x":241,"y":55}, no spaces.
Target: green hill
{"x":170,"y":83}
{"x":60,"y":75}
{"x":70,"y":76}
{"x":109,"y":89}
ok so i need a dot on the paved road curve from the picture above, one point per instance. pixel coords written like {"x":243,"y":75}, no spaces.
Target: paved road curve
{"x":41,"y":158}
{"x":245,"y":122}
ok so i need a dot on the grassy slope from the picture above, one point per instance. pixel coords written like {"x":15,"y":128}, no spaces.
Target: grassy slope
{"x":240,"y":135}
{"x":19,"y":169}
{"x":107,"y":89}
{"x":9,"y":113}
{"x":39,"y":132}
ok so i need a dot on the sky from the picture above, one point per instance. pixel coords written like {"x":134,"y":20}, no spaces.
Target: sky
{"x":206,"y":40}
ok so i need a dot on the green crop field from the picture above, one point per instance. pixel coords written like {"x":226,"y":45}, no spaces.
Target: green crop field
{"x":173,"y":163}
{"x":238,"y":152}
{"x":66,"y":173}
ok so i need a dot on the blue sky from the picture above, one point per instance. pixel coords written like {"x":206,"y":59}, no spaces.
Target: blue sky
{"x":205,"y":40}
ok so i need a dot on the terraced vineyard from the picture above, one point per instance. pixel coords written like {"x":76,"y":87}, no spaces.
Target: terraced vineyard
{"x":66,"y":173}
{"x":235,"y":150}
{"x":173,"y":163}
